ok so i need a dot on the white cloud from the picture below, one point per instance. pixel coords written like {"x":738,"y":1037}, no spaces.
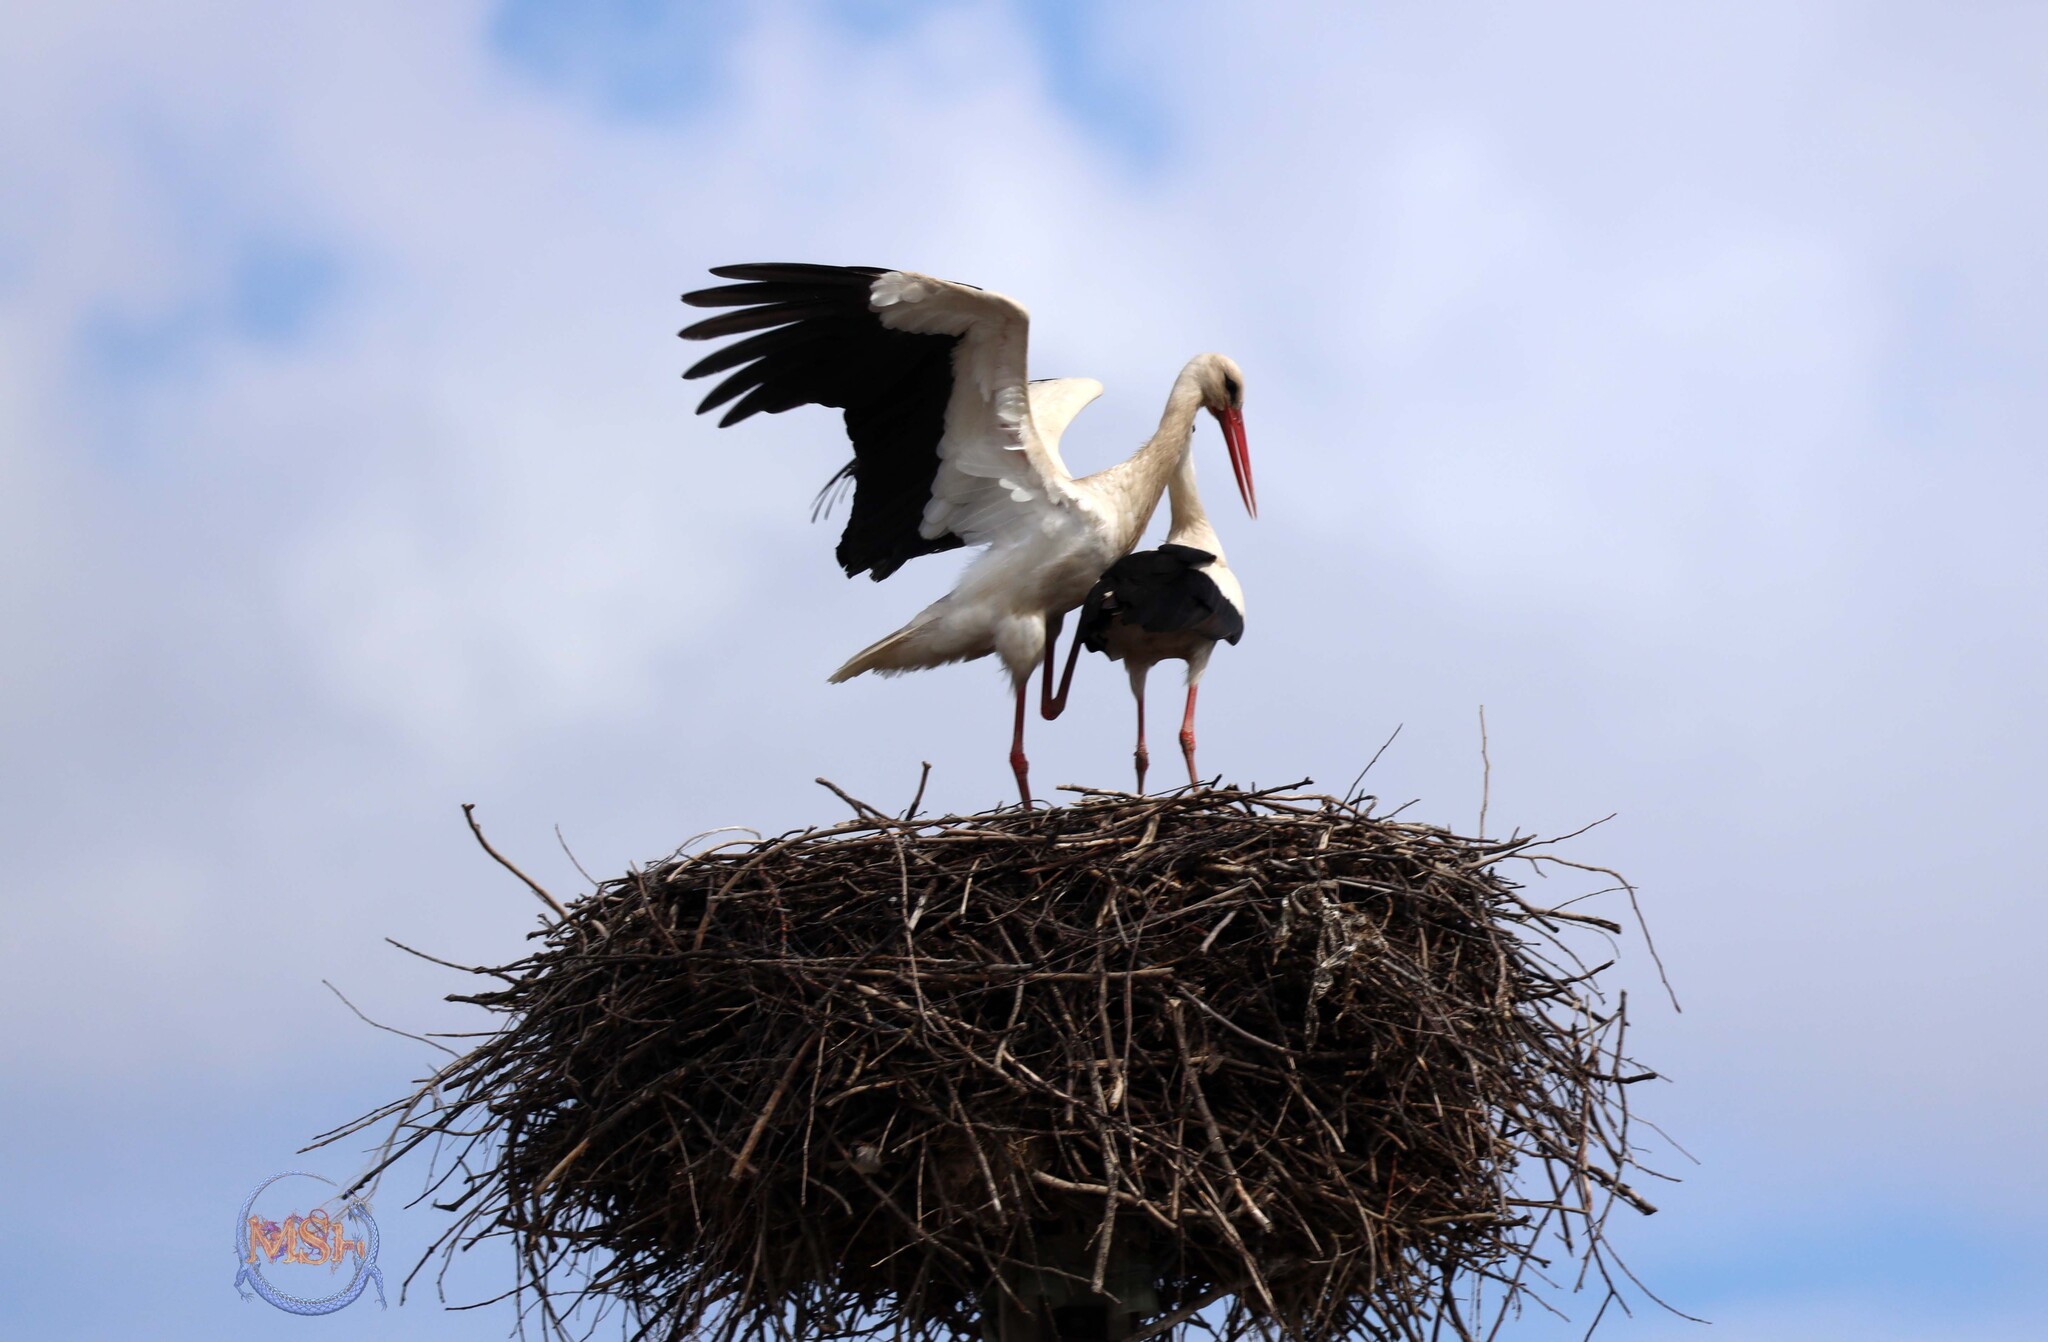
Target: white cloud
{"x":1665,"y":382}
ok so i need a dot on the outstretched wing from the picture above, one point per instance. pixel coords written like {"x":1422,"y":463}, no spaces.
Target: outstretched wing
{"x":1054,"y":403}
{"x":931,"y":378}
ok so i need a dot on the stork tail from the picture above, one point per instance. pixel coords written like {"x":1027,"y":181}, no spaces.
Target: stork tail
{"x":886,"y":655}
{"x":929,"y":640}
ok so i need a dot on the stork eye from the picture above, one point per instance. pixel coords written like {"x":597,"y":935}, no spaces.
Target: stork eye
{"x":1231,"y":389}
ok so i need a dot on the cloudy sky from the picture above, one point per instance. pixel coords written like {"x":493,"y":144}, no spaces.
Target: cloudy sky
{"x":1664,"y":378}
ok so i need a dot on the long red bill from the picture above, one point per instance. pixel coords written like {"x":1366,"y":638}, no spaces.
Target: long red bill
{"x":1240,"y":457}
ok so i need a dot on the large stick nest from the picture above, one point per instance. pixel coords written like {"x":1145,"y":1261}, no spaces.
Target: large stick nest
{"x":1326,"y":1071}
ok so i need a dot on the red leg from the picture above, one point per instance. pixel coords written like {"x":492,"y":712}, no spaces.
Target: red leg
{"x":1050,"y":705}
{"x":1140,"y":755}
{"x":1187,"y":738}
{"x":1018,"y":764}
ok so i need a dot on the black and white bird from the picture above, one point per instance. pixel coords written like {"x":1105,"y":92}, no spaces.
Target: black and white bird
{"x":1176,"y":602}
{"x":953,"y":445}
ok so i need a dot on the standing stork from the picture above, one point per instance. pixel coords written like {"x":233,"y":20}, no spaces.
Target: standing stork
{"x":953,"y":445}
{"x":1174,"y":602}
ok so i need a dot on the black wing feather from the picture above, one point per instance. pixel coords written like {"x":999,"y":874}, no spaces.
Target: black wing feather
{"x":798,"y":272}
{"x":754,"y":346}
{"x":822,"y":346}
{"x":1161,"y":591}
{"x":766,"y":314}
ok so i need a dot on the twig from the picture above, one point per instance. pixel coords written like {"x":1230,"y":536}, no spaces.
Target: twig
{"x":739,"y":1164}
{"x":923,"y":777}
{"x":1485,"y":773}
{"x":1175,"y":1318}
{"x":469,"y":814}
{"x":856,"y":803}
{"x":566,"y":852}
{"x":403,"y":1034}
{"x":1352,"y":791}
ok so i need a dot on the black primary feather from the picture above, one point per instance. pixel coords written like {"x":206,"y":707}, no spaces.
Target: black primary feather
{"x":810,"y":339}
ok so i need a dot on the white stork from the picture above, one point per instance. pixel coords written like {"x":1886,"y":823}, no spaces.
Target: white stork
{"x":953,"y":445}
{"x":1174,"y":602}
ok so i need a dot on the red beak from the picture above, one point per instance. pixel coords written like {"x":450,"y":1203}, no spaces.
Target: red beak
{"x":1240,"y":456}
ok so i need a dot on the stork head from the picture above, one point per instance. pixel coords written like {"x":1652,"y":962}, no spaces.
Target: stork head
{"x":1222,"y":385}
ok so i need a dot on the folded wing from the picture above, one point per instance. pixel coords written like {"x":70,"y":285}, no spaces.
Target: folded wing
{"x":1161,"y":591}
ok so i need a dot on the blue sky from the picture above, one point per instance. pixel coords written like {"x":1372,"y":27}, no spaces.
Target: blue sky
{"x":1663,"y":379}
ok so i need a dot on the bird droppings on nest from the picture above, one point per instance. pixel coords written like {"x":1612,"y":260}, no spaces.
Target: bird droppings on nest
{"x":1262,"y":1056}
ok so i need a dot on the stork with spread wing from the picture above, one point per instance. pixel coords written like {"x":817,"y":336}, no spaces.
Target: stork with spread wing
{"x":953,"y":445}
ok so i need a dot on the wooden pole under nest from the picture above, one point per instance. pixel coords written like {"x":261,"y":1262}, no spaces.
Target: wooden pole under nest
{"x":1058,"y":1303}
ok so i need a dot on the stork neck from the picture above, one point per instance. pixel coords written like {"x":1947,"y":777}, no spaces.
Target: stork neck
{"x":1189,"y":521}
{"x":1139,"y":481}
{"x":1169,"y":445}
